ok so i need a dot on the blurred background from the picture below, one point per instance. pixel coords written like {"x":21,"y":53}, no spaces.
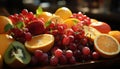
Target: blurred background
{"x":103,"y":10}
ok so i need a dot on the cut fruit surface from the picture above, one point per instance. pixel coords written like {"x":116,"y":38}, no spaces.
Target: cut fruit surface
{"x":91,"y":32}
{"x":107,"y":45}
{"x":42,"y":42}
{"x":16,"y":55}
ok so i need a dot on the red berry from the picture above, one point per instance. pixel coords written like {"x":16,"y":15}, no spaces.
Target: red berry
{"x":33,"y":61}
{"x":38,"y":53}
{"x":72,"y":46}
{"x":36,"y":27}
{"x":63,"y":59}
{"x":58,"y":53}
{"x":66,"y":41}
{"x":68,"y":53}
{"x":72,"y":60}
{"x":86,"y":50}
{"x":43,"y":58}
{"x":95,"y":55}
{"x":28,"y":36}
{"x":54,"y":60}
{"x":24,"y":11}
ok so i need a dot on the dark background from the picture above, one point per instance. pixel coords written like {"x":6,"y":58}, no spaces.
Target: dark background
{"x":110,"y":8}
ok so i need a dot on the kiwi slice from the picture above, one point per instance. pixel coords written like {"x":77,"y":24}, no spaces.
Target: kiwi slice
{"x":16,"y":55}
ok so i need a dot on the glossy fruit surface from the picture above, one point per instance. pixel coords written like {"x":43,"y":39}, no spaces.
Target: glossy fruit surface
{"x":5,"y":41}
{"x":63,"y":12}
{"x":3,"y":22}
{"x":101,"y":26}
{"x":45,"y":16}
{"x":107,"y":45}
{"x":115,"y":34}
{"x":42,"y":42}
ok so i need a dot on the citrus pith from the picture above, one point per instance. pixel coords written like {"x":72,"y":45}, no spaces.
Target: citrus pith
{"x":106,"y":45}
{"x":42,"y":42}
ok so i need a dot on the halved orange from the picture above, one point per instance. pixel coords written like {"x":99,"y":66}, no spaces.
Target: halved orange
{"x":91,"y":32}
{"x":107,"y":45}
{"x":42,"y":42}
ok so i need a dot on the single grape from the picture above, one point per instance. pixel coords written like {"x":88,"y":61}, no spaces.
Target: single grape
{"x":63,"y":60}
{"x":66,"y":41}
{"x":33,"y":61}
{"x":28,"y":36}
{"x":58,"y":53}
{"x":72,"y":60}
{"x":72,"y":46}
{"x":68,"y":53}
{"x":95,"y":55}
{"x":54,"y":61}
{"x":24,"y":11}
{"x":86,"y":50}
{"x":43,"y":59}
{"x":38,"y":54}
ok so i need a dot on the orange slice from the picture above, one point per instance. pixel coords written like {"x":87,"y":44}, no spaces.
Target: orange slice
{"x":1,"y":62}
{"x":107,"y":45}
{"x":71,"y":22}
{"x":63,"y":12}
{"x":91,"y":32}
{"x":42,"y":42}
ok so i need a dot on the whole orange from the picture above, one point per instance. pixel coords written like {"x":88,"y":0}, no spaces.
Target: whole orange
{"x":5,"y":41}
{"x":115,"y":34}
{"x":45,"y":16}
{"x":101,"y":26}
{"x":3,"y":22}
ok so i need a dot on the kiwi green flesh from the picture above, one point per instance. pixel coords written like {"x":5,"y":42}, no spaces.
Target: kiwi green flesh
{"x":16,"y":51}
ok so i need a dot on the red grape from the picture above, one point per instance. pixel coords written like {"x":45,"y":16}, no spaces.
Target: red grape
{"x":63,"y":59}
{"x":95,"y":55}
{"x":72,"y":60}
{"x":68,"y":53}
{"x":58,"y":53}
{"x":54,"y":60}
{"x":86,"y":50}
{"x":66,"y":41}
{"x":38,"y":53}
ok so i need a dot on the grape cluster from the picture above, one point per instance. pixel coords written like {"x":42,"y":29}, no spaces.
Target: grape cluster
{"x":71,"y":44}
{"x":24,"y":16}
{"x":26,"y":25}
{"x":83,"y":18}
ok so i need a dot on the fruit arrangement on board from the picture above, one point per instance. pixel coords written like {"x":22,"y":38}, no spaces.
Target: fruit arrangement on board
{"x":61,"y":38}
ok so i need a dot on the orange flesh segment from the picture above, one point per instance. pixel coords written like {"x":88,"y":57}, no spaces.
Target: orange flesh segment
{"x":105,"y":46}
{"x":37,"y":42}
